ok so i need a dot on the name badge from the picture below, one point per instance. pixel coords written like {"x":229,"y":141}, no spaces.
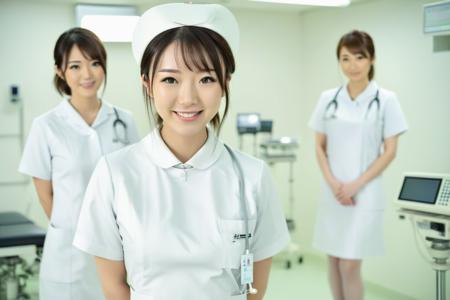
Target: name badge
{"x":246,"y":268}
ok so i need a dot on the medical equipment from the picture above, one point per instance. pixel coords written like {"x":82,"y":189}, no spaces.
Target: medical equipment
{"x":248,"y":288}
{"x":333,"y":106}
{"x":119,"y":122}
{"x":425,"y":192}
{"x":424,"y":199}
{"x":277,"y":151}
{"x":248,"y":123}
{"x":17,"y":230}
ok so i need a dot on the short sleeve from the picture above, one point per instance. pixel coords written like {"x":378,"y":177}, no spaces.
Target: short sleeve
{"x":271,"y":233}
{"x":36,"y":159}
{"x":97,"y":232}
{"x":316,"y":122}
{"x":394,"y":119}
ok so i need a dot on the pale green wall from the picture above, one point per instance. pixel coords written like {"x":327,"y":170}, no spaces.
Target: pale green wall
{"x":285,"y":60}
{"x":407,"y":65}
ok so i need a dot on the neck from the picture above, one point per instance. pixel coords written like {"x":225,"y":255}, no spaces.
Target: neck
{"x":183,"y":147}
{"x":86,"y":107}
{"x":357,"y":87}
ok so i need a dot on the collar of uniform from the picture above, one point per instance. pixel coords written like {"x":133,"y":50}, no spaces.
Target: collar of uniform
{"x":67,"y":112}
{"x":368,"y":93}
{"x":163,"y":157}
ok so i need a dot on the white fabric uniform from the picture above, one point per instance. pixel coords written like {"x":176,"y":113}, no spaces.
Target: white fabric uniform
{"x":63,"y":148}
{"x":354,"y":141}
{"x":174,"y":224}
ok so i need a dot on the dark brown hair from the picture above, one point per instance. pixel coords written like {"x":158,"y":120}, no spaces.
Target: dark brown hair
{"x":358,"y":42}
{"x":88,"y":43}
{"x":198,"y":46}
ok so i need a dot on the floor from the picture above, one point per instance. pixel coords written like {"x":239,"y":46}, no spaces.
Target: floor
{"x":302,"y":281}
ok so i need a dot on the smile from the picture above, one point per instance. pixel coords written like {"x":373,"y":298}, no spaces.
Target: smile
{"x":187,"y":116}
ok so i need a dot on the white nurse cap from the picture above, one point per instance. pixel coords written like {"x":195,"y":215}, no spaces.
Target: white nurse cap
{"x":167,"y":16}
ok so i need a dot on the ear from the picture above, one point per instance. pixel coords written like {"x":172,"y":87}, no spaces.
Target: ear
{"x":146,"y":83}
{"x":59,"y":72}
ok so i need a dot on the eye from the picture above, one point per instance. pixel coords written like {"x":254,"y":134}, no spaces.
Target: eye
{"x":207,"y":79}
{"x":96,"y":63}
{"x":169,"y":80}
{"x":74,"y":67}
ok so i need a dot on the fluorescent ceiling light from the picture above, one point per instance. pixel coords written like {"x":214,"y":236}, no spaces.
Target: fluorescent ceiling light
{"x":111,"y":23}
{"x":309,"y":2}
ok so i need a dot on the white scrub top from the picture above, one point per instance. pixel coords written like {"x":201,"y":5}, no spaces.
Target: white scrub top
{"x":63,"y":148}
{"x":354,"y":141}
{"x":176,"y":226}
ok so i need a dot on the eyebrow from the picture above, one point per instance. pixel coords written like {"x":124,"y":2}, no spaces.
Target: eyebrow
{"x":178,"y":71}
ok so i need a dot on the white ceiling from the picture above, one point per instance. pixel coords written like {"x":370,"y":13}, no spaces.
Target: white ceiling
{"x":239,"y":4}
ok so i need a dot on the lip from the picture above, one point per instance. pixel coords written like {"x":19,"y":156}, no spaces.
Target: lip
{"x":88,"y":85}
{"x":187,"y":116}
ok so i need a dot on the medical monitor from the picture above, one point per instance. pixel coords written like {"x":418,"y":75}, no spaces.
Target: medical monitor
{"x":248,"y":123}
{"x":266,"y":126}
{"x":425,"y":192}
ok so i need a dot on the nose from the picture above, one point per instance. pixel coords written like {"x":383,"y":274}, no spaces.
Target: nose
{"x":87,"y":72}
{"x":188,"y":94}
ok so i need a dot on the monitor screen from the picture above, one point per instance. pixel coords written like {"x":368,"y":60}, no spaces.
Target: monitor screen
{"x":418,"y":189}
{"x":248,"y":123}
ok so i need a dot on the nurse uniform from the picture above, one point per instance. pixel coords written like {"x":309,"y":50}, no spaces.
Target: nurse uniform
{"x":176,"y":226}
{"x":354,"y":136}
{"x":63,"y":148}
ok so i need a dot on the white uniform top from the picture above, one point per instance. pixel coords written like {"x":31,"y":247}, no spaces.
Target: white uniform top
{"x":355,"y":137}
{"x":177,"y":225}
{"x":63,"y":148}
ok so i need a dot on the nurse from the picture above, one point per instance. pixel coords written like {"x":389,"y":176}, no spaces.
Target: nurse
{"x":165,"y":217}
{"x":357,"y":129}
{"x":62,"y":149}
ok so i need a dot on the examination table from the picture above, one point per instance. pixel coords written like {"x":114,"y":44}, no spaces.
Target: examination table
{"x":17,"y":230}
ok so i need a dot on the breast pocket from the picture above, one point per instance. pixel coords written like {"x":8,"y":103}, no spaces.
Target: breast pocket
{"x":233,"y":236}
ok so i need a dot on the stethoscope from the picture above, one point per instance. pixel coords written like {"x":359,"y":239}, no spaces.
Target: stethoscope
{"x":248,"y":288}
{"x":333,"y":104}
{"x":119,"y":122}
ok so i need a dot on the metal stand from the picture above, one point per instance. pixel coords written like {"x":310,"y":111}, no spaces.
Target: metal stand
{"x":284,"y":153}
{"x":440,"y":250}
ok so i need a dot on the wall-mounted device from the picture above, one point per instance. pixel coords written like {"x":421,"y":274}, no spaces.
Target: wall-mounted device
{"x":436,"y":17}
{"x":14,"y":95}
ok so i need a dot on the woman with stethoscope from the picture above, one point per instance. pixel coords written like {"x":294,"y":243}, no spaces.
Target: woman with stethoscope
{"x":180,"y":215}
{"x":352,"y":124}
{"x":62,"y":149}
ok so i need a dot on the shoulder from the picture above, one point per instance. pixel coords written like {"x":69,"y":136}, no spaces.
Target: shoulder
{"x":327,"y":95}
{"x":387,"y":95}
{"x":45,"y":120}
{"x":126,"y":156}
{"x":121,"y":111}
{"x":252,"y":167}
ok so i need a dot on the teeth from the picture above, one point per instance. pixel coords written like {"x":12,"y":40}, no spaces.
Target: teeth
{"x":186,"y":115}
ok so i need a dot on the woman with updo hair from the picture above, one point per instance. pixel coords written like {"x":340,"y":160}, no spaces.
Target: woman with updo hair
{"x":357,"y":127}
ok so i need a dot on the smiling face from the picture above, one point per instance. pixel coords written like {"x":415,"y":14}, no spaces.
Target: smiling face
{"x":186,"y":99}
{"x":82,"y":74}
{"x":355,"y":66}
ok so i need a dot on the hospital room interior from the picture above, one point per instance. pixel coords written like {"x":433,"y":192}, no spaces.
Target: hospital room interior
{"x":286,"y":59}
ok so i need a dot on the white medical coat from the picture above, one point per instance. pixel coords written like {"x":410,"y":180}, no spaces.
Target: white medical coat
{"x":63,"y":148}
{"x":174,"y":224}
{"x":354,"y":141}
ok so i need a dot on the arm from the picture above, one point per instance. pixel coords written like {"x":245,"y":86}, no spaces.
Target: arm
{"x":378,"y":166}
{"x":44,"y":190}
{"x":261,"y":270}
{"x":322,"y":159}
{"x":113,"y":277}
